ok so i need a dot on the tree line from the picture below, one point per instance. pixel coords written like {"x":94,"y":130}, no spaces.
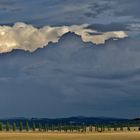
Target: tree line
{"x":38,"y":127}
{"x":59,"y":127}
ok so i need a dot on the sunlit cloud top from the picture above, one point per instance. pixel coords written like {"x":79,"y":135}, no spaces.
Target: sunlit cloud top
{"x":29,"y":38}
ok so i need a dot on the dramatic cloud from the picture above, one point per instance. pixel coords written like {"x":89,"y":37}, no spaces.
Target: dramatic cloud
{"x":27,"y":37}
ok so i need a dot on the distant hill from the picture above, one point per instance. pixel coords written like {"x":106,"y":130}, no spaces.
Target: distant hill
{"x":67,"y":121}
{"x":136,"y":119}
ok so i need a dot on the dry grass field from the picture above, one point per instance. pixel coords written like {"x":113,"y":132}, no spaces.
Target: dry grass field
{"x":54,"y":136}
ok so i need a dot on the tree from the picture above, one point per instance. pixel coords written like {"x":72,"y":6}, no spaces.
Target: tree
{"x":121,"y":128}
{"x":27,"y":126}
{"x":64,"y":128}
{"x":128,"y":128}
{"x":115,"y":128}
{"x":97,"y":128}
{"x":109,"y":128}
{"x":20,"y":126}
{"x":90,"y":128}
{"x":14,"y":126}
{"x":7,"y":126}
{"x":40,"y":127}
{"x":103,"y":128}
{"x":59,"y":127}
{"x":33,"y":126}
{"x":83,"y":128}
{"x":45,"y":127}
{"x":1,"y":126}
{"x":52,"y":128}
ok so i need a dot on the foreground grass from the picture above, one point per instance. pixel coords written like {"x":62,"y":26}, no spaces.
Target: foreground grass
{"x":58,"y":136}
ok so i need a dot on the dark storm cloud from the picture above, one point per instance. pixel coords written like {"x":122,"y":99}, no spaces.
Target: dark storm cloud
{"x":69,"y":75}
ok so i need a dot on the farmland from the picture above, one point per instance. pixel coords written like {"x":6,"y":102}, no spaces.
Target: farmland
{"x":66,"y":136}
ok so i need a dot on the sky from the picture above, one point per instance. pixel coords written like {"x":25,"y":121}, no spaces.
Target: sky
{"x":61,"y":58}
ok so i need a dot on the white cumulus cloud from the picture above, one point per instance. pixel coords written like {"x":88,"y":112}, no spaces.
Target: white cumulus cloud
{"x":29,"y":38}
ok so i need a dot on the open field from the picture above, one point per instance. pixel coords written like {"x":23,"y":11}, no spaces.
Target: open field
{"x":56,"y":136}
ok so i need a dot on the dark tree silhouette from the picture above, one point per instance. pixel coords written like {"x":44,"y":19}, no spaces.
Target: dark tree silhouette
{"x":14,"y":126}
{"x":1,"y":126}
{"x":40,"y":127}
{"x":20,"y":126}
{"x":33,"y":126}
{"x":27,"y":126}
{"x":7,"y":126}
